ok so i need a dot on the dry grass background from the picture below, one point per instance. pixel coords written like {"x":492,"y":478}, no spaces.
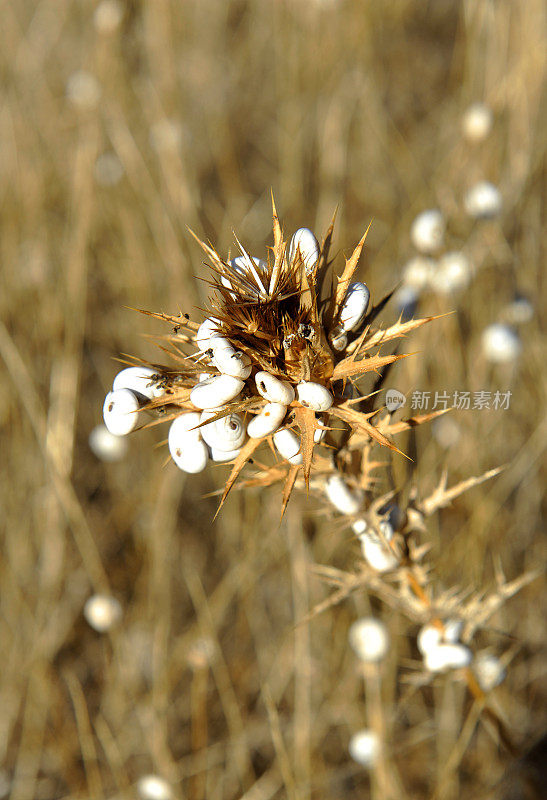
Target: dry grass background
{"x":207,"y":104}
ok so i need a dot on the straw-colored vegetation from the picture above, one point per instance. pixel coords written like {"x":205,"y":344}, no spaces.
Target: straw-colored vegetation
{"x":229,"y":673}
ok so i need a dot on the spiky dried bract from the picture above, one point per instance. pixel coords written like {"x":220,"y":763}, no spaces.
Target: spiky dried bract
{"x":270,"y":315}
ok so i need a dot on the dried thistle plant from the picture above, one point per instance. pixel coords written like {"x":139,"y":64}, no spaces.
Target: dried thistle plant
{"x":277,"y":361}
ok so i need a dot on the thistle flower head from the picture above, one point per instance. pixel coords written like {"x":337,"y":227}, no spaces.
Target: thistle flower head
{"x":276,"y":360}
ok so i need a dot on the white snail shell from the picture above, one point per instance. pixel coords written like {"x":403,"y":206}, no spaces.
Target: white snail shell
{"x":375,"y":551}
{"x":152,"y":787}
{"x":224,"y":455}
{"x":208,"y":335}
{"x":230,"y":361}
{"x":452,"y":630}
{"x":227,"y":433}
{"x":483,"y":201}
{"x":314,"y":396}
{"x":305,"y":241}
{"x":489,"y":670}
{"x":187,"y":449}
{"x":440,"y":647}
{"x":216,"y":391}
{"x":377,"y":554}
{"x":273,"y":389}
{"x":338,"y":339}
{"x":138,"y":379}
{"x":369,"y":638}
{"x":343,"y":497}
{"x":477,"y":122}
{"x":447,"y":656}
{"x":267,"y":421}
{"x":248,"y":266}
{"x":453,"y":273}
{"x":364,"y":747}
{"x":287,"y":445}
{"x":418,"y":272}
{"x":500,"y":343}
{"x":354,"y":307}
{"x":105,"y":445}
{"x":102,"y":612}
{"x":429,"y":637}
{"x":427,"y":231}
{"x":121,"y":411}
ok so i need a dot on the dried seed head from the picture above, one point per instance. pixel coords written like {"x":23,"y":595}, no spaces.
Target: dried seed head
{"x":265,"y":338}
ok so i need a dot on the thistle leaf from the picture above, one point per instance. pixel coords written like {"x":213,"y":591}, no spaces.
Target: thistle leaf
{"x":344,"y":280}
{"x":239,"y":462}
{"x":442,"y":497}
{"x":392,"y":428}
{"x":307,"y":423}
{"x":397,"y":330}
{"x":359,"y":423}
{"x":350,"y":366}
{"x":289,"y":486}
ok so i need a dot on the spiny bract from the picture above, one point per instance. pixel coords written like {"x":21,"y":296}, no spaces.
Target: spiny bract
{"x":283,"y":345}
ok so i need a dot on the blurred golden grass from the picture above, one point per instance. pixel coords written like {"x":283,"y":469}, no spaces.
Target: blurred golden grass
{"x":207,"y":105}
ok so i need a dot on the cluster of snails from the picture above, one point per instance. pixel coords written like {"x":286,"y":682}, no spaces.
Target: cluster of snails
{"x":210,"y":425}
{"x":375,"y":546}
{"x":441,"y":648}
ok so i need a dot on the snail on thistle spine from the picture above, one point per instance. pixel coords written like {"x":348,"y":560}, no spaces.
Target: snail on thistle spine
{"x":186,"y":446}
{"x":121,"y":411}
{"x":351,"y":315}
{"x":225,"y":434}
